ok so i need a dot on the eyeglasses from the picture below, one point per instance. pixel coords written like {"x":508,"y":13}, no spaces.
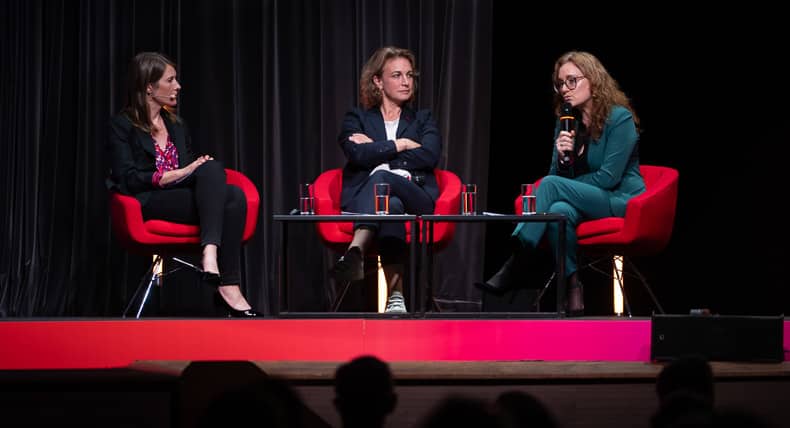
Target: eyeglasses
{"x":570,"y":82}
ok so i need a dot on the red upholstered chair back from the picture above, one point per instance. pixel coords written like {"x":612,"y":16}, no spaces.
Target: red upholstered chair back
{"x":163,"y":237}
{"x":327,"y":189}
{"x":644,"y":230}
{"x":648,"y":221}
{"x":649,"y":218}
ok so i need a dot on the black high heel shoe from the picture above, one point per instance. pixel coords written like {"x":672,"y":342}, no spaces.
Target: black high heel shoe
{"x":503,"y":280}
{"x":231,"y":312}
{"x":575,"y":286}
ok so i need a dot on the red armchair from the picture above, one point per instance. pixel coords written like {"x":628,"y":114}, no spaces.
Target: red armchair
{"x":326,"y":191}
{"x":644,"y":230}
{"x":161,"y":238}
{"x":327,"y":188}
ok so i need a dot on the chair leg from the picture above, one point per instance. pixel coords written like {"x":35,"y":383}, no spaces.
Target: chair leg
{"x":637,"y":274}
{"x":185,"y":263}
{"x":152,"y":277}
{"x":645,"y":284}
{"x":610,"y":259}
{"x":620,"y":275}
{"x":536,"y":303}
{"x":339,"y":299}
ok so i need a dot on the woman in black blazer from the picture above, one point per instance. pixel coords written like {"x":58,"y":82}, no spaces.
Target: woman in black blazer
{"x":151,"y":159}
{"x":387,"y":142}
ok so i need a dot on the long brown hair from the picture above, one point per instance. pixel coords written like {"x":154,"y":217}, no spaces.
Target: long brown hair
{"x":604,"y":90}
{"x":369,"y":94}
{"x":144,"y":69}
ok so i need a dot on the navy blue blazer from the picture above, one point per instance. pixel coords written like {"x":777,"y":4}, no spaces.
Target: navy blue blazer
{"x":133,"y":157}
{"x":362,"y":158}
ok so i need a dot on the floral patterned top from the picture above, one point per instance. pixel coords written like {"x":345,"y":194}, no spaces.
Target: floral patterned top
{"x":166,"y":160}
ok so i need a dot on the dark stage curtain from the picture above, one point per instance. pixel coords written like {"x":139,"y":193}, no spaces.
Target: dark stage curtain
{"x":265,"y":85}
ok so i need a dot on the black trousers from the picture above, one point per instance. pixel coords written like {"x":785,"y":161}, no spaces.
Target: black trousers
{"x":220,"y":209}
{"x":405,"y":197}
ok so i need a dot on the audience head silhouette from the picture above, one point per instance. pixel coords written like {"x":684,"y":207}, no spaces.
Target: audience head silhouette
{"x":682,"y":408}
{"x":364,"y":392}
{"x":691,"y":373}
{"x":685,"y":393}
{"x":237,"y":393}
{"x":268,"y":402}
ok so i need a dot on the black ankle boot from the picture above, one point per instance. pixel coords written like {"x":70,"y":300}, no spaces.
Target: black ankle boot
{"x":350,"y":267}
{"x":504,"y":279}
{"x":575,"y":300}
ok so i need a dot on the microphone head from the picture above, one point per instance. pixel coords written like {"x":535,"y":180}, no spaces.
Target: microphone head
{"x":567,"y":109}
{"x":567,"y":121}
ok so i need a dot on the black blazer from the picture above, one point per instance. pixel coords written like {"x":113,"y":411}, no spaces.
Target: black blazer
{"x":133,"y":157}
{"x":362,"y":158}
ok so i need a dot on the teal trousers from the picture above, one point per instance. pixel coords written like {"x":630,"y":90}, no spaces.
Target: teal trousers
{"x":578,"y":201}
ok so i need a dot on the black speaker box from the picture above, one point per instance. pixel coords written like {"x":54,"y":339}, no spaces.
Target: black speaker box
{"x":717,"y":337}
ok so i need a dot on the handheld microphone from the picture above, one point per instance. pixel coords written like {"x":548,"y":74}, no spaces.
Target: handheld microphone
{"x":567,"y":123}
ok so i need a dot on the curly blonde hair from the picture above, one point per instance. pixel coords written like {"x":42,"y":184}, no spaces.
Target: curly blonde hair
{"x":604,"y":90}
{"x":369,"y":94}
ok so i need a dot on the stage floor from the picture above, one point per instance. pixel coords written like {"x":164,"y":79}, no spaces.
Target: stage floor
{"x":114,"y":343}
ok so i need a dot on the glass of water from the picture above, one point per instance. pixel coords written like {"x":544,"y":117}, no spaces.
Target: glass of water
{"x":382,"y":192}
{"x":306,"y":200}
{"x":469,"y":199}
{"x":528,"y":199}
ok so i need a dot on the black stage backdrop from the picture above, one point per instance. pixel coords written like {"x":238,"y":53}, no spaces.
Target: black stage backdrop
{"x":265,"y":85}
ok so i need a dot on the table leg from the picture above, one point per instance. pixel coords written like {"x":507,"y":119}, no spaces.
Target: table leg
{"x":429,"y":298}
{"x":281,"y":291}
{"x":560,"y":257}
{"x":415,"y":236}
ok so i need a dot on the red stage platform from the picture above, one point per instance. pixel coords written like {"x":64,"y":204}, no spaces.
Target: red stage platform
{"x":91,"y":344}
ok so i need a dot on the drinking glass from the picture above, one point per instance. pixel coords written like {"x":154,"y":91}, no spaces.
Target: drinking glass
{"x":382,"y":191}
{"x":469,"y":199}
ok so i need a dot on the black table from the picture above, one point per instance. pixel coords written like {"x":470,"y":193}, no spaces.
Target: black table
{"x":281,"y":291}
{"x":430,"y":220}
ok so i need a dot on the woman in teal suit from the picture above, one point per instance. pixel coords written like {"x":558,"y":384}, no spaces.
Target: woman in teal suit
{"x":594,"y":168}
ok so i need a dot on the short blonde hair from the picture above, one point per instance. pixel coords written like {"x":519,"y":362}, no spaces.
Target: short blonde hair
{"x":369,"y":93}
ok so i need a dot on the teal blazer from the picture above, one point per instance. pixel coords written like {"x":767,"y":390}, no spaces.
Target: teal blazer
{"x":613,"y":160}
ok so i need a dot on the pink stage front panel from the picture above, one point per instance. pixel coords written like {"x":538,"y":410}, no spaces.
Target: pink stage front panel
{"x":511,"y":340}
{"x":70,"y":344}
{"x":117,"y":343}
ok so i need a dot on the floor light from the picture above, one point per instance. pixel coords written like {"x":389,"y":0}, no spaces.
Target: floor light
{"x":617,"y":284}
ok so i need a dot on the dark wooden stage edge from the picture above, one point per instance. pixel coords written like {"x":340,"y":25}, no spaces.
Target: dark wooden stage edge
{"x":490,"y":372}
{"x":579,"y":394}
